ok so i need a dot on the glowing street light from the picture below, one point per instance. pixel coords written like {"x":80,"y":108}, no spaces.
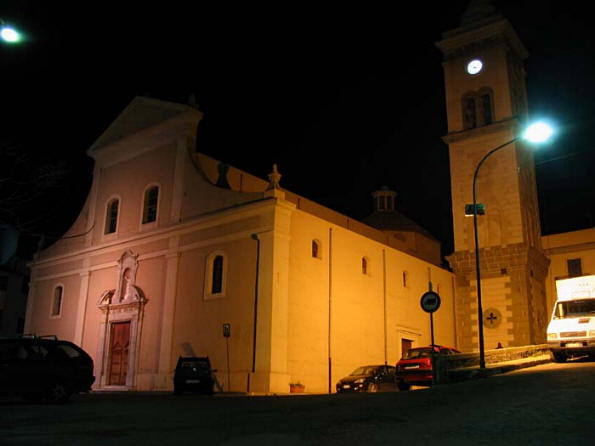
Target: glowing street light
{"x":9,"y":34}
{"x":535,"y":133}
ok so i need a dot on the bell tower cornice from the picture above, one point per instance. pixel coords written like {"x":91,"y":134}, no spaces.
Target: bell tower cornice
{"x":468,"y":39}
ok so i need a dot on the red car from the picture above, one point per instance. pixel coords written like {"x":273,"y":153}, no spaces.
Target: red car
{"x":415,"y":368}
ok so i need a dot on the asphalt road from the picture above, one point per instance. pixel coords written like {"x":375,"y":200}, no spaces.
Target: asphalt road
{"x":548,"y":404}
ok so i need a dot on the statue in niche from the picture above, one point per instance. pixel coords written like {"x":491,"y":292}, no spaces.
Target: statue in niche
{"x":127,"y":291}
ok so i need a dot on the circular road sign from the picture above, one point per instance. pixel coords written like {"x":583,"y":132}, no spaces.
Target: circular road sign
{"x":430,"y":302}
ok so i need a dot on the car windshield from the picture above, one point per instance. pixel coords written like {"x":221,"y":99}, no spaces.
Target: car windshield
{"x":365,"y":370}
{"x":573,"y":308}
{"x":418,"y":353}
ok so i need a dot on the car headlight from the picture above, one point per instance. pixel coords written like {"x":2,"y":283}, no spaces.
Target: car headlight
{"x":359,"y":381}
{"x":552,"y":336}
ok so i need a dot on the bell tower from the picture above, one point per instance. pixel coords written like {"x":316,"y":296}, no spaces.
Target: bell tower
{"x":486,"y":106}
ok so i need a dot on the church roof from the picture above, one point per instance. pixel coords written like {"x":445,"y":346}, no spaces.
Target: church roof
{"x":140,"y":114}
{"x":394,"y":221}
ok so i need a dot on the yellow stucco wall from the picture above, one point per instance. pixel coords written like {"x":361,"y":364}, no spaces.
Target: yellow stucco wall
{"x":562,"y":247}
{"x":357,"y":303}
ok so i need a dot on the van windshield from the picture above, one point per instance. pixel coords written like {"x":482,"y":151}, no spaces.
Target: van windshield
{"x":573,"y":308}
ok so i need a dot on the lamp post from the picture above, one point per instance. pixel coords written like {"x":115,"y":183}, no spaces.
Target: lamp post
{"x":535,"y":133}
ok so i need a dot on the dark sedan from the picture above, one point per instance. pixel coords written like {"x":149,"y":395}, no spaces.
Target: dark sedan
{"x":368,"y":378}
{"x":194,"y":374}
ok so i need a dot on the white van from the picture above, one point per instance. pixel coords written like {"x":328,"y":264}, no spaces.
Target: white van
{"x":571,"y":331}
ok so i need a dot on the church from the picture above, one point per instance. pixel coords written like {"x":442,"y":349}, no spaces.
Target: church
{"x":177,"y":254}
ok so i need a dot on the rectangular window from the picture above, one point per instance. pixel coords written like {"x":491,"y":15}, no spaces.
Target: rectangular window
{"x":575,"y":267}
{"x":405,"y":274}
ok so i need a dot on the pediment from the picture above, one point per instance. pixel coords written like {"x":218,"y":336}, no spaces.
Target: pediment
{"x":140,"y":114}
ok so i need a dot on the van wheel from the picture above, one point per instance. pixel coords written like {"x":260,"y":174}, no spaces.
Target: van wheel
{"x":58,"y":392}
{"x":559,"y":357}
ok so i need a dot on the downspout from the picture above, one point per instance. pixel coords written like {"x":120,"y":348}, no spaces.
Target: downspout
{"x":330,"y":288}
{"x":255,"y":237}
{"x":384,"y":302}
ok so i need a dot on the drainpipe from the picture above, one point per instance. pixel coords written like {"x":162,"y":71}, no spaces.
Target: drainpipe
{"x":330,"y":288}
{"x":255,"y":237}
{"x":384,"y":303}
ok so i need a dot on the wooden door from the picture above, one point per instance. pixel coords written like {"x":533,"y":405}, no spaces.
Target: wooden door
{"x":119,"y":344}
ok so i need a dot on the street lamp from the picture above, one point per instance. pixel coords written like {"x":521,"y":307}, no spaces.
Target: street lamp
{"x":535,"y":133}
{"x":9,"y":34}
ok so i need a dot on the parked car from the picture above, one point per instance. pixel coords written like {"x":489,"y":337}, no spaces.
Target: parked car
{"x":194,"y":374}
{"x":415,"y":368}
{"x":368,"y":378}
{"x":39,"y":367}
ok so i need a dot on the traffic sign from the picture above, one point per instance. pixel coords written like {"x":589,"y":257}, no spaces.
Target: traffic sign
{"x":430,"y":302}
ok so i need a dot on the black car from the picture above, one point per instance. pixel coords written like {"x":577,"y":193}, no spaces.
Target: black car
{"x":368,"y":378}
{"x":194,"y":374}
{"x":38,"y":367}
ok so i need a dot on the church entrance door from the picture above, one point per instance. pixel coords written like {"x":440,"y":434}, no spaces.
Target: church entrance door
{"x":119,"y":346}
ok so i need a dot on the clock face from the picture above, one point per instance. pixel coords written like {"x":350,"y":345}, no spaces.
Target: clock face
{"x":474,"y":66}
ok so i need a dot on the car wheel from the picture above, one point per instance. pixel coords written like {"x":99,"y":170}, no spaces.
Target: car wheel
{"x":403,"y":387}
{"x":58,"y":392}
{"x":372,"y":388}
{"x":559,"y":357}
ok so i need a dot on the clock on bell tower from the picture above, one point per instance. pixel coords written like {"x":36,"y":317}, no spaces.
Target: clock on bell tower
{"x":486,"y":106}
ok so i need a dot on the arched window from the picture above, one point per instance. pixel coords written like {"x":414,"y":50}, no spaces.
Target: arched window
{"x":316,"y":249}
{"x":111,"y":217}
{"x":486,"y":104}
{"x":150,"y":204}
{"x":56,"y":307}
{"x":478,"y":108}
{"x":216,"y":272}
{"x":469,"y":111}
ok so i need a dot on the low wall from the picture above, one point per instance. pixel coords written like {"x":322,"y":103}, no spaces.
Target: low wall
{"x":449,"y":368}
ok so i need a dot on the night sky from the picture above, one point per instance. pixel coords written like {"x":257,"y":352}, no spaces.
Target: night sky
{"x":344,"y":99}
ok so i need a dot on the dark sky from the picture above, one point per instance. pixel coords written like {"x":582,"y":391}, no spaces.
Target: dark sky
{"x":344,"y":99}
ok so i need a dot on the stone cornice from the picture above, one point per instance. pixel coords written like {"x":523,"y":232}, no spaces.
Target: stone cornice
{"x":494,"y":258}
{"x":570,"y":248}
{"x":199,"y":222}
{"x":512,"y":124}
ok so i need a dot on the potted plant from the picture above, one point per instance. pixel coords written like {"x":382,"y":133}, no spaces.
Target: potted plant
{"x":296,"y":387}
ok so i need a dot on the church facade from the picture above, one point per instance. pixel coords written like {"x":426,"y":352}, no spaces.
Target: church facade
{"x":175,"y":254}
